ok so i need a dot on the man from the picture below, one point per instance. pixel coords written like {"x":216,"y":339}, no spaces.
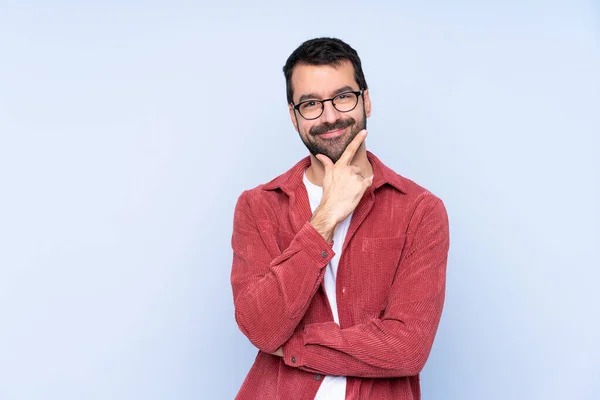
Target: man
{"x":339,"y":264}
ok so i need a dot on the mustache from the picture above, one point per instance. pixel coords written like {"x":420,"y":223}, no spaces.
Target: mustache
{"x":339,"y":124}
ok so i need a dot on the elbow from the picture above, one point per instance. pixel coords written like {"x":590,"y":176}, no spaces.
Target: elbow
{"x":412,"y":362}
{"x":414,"y":367}
{"x":260,"y":336}
{"x":411,"y":352}
{"x":405,"y":361}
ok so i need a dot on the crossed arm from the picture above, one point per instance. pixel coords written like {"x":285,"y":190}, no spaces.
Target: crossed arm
{"x":271,"y":297}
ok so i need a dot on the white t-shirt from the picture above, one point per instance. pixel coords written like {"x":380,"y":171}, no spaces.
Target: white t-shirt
{"x":332,"y":387}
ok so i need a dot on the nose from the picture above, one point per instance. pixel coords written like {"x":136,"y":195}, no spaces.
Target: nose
{"x":330,"y":114}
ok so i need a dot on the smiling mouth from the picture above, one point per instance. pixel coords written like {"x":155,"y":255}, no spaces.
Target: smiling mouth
{"x":331,"y":134}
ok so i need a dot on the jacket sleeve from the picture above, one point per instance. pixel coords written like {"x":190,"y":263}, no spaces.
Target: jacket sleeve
{"x":398,"y":342}
{"x":272,"y":292}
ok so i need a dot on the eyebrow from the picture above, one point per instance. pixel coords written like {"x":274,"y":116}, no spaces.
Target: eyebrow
{"x":343,"y":89}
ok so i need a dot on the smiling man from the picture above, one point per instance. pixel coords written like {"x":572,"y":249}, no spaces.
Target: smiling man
{"x":339,"y":264}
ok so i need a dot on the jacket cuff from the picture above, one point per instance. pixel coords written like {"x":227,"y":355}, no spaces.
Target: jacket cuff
{"x":293,"y":350}
{"x":311,"y":241}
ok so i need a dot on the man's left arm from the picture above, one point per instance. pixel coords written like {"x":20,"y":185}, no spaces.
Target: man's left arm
{"x":398,"y":343}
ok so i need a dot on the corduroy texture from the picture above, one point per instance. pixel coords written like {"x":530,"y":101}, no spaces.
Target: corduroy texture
{"x":390,"y":288}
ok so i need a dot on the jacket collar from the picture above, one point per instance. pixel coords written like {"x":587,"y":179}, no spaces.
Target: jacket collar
{"x":289,"y":181}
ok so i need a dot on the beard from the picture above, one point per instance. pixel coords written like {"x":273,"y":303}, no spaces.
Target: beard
{"x":333,"y":147}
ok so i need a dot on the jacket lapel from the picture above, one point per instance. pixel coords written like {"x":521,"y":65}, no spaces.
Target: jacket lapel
{"x":360,"y":213}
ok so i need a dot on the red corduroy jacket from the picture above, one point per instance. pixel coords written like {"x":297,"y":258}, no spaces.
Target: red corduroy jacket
{"x":390,"y":288}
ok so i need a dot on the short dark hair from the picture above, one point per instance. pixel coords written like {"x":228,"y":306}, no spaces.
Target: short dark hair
{"x":322,"y":51}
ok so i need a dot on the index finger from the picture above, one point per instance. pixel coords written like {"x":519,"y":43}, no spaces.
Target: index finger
{"x":352,"y":148}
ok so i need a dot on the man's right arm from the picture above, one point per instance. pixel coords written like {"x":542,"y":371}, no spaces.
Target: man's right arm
{"x":271,"y":295}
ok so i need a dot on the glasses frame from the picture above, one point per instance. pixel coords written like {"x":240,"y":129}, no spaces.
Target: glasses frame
{"x":357,"y":93}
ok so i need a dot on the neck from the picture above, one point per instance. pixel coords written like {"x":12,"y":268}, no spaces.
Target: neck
{"x":316,"y":171}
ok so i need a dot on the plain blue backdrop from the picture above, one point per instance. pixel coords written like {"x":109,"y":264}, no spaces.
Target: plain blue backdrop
{"x":128,"y":129}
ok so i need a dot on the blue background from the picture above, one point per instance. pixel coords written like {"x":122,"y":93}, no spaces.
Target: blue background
{"x":128,"y":129}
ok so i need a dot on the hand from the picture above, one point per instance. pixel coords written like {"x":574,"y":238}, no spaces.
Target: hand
{"x":279,"y":352}
{"x":343,"y":187}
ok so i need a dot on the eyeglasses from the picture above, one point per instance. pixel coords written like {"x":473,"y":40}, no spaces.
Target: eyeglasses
{"x":343,"y":102}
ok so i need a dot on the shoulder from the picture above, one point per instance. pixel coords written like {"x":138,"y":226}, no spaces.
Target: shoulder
{"x":271,"y":195}
{"x":415,"y":198}
{"x":403,"y":185}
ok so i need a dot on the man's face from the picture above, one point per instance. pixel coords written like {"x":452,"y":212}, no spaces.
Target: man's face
{"x":330,"y":133}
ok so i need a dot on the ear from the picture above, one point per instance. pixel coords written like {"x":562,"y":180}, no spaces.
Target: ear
{"x":367,"y":100}
{"x":293,"y":117}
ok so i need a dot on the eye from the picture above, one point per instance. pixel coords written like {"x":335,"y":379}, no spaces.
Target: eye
{"x":307,"y":105}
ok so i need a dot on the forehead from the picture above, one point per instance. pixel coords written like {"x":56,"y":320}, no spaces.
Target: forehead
{"x":321,"y":80}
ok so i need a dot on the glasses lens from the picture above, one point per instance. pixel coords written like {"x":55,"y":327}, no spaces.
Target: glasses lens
{"x":345,"y":102}
{"x":311,"y":109}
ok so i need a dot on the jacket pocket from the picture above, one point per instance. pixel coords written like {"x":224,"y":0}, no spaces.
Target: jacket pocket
{"x":378,"y":265}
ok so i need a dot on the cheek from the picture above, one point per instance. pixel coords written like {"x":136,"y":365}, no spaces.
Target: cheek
{"x":358,"y":116}
{"x":305,"y":128}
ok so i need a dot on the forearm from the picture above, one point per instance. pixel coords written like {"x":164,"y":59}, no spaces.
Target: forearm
{"x":380,"y":348}
{"x":270,"y":304}
{"x":324,"y":223}
{"x":398,"y":342}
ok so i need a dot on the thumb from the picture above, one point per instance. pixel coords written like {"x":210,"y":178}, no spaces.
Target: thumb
{"x":327,"y":163}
